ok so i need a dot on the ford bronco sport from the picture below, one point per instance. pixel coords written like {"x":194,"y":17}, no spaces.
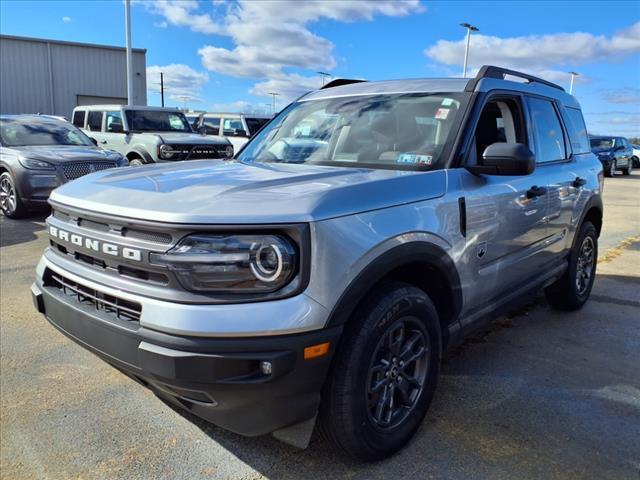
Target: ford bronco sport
{"x":148,"y":134}
{"x":320,"y":276}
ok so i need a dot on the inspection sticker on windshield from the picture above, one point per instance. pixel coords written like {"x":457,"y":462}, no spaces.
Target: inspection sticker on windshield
{"x":447,"y":102}
{"x":442,"y":113}
{"x":415,"y":158}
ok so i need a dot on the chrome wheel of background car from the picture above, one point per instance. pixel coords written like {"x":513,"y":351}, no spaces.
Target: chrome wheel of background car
{"x":136,"y":163}
{"x":397,"y":373}
{"x":586,"y":262}
{"x":612,"y":169}
{"x":7,"y":195}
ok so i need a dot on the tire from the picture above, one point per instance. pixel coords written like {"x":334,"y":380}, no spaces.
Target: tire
{"x":628,"y":169}
{"x":635,"y":161}
{"x":10,"y":202}
{"x":354,"y":415}
{"x":611,"y":170}
{"x":570,"y":292}
{"x":136,"y":162}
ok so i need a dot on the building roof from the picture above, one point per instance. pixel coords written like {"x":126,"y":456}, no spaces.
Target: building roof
{"x":74,"y":44}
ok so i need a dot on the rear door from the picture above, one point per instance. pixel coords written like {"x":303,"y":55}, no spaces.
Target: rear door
{"x":556,"y":168}
{"x":506,"y":226}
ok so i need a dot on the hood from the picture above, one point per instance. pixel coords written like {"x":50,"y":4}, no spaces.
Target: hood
{"x":231,"y":192}
{"x":192,"y":139}
{"x":57,"y":154}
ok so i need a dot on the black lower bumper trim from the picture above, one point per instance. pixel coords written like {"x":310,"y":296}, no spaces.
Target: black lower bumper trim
{"x":218,"y":379}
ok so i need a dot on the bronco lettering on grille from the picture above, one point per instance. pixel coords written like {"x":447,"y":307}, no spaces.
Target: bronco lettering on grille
{"x":96,"y":245}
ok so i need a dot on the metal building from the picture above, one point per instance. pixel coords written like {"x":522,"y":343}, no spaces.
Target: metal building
{"x":52,"y":76}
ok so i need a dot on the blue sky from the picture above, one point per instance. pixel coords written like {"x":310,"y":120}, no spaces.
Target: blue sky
{"x":229,"y":55}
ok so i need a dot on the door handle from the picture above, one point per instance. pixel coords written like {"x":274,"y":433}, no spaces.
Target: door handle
{"x":536,"y":191}
{"x":579,"y":182}
{"x":103,"y":141}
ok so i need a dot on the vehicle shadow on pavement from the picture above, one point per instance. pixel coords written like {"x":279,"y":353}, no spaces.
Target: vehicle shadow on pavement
{"x":538,"y":393}
{"x":14,"y":232}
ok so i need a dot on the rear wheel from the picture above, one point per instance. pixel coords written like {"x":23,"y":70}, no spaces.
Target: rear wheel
{"x":572,"y":290}
{"x":10,"y":202}
{"x":384,"y":374}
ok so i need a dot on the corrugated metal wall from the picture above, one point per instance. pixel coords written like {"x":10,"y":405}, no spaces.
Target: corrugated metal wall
{"x":37,"y":76}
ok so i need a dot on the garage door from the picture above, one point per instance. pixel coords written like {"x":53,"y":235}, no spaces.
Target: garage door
{"x":95,"y":100}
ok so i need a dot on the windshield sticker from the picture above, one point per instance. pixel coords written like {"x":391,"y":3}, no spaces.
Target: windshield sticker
{"x":447,"y":102}
{"x":415,"y":158}
{"x":442,"y":113}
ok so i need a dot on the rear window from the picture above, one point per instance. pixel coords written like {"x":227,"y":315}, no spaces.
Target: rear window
{"x":577,"y":131}
{"x":78,"y":118}
{"x":94,"y":122}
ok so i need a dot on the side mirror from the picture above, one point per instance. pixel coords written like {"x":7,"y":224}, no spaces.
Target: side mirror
{"x":202,"y":130}
{"x":240,"y":133}
{"x":505,"y":159}
{"x":94,"y":141}
{"x":115,"y":128}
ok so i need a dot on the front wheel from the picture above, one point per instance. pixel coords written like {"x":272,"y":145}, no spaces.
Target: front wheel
{"x":611,"y":171}
{"x":136,"y":162}
{"x":10,"y":202}
{"x":629,"y":168}
{"x":384,"y":374}
{"x":572,"y":290}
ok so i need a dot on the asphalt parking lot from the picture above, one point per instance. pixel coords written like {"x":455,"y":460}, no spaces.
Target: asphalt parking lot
{"x":540,"y":395}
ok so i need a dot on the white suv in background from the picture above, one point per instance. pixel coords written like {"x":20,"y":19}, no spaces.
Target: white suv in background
{"x":236,"y":127}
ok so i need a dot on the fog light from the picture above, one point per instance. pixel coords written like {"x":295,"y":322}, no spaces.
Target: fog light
{"x":266,"y":368}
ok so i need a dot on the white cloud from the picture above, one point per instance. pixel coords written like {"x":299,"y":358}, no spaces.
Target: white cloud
{"x":241,"y":106}
{"x":181,"y":82}
{"x":271,"y":37}
{"x":546,"y":55}
{"x":162,"y":24}
{"x":623,"y":95}
{"x":66,"y":19}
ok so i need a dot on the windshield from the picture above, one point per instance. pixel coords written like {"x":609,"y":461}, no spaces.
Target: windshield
{"x":34,"y":132}
{"x":603,"y":142}
{"x":157,"y":121}
{"x":254,"y":124}
{"x":403,"y":131}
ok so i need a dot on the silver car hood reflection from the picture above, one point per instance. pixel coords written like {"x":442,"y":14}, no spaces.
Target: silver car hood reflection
{"x":219,"y":192}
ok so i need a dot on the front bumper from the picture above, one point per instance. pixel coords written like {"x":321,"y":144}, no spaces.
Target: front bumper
{"x":34,"y":186}
{"x":217,"y":379}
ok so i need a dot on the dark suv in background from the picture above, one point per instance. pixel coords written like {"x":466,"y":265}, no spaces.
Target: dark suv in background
{"x":39,"y":153}
{"x":615,"y":153}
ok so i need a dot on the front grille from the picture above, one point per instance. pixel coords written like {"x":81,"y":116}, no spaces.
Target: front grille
{"x":78,"y":169}
{"x":204,"y":151}
{"x":109,"y":304}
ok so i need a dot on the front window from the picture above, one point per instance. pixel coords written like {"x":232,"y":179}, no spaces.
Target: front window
{"x":403,"y":131}
{"x":21,"y":133}
{"x":254,"y":124}
{"x":603,"y":143}
{"x":157,"y":121}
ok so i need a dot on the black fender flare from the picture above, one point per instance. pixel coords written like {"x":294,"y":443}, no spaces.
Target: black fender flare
{"x":142,"y":153}
{"x":594,"y":201}
{"x":392,"y":259}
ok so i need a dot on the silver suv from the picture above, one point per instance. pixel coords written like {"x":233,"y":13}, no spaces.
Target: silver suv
{"x":321,"y":275}
{"x":148,"y":134}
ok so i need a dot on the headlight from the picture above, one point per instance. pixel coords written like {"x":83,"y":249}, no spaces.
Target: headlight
{"x":232,"y":263}
{"x":33,"y":164}
{"x":228,"y":152}
{"x":165,"y":151}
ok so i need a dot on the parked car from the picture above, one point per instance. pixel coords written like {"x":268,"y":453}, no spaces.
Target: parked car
{"x":37,"y":154}
{"x":149,"y":134}
{"x":615,"y":153}
{"x":236,"y":127}
{"x":321,"y":275}
{"x":636,"y":155}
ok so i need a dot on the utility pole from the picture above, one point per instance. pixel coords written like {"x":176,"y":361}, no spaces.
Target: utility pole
{"x":273,"y":101}
{"x":127,"y":21}
{"x":470,"y":28}
{"x":324,"y":75}
{"x":573,"y":75}
{"x":162,"y":88}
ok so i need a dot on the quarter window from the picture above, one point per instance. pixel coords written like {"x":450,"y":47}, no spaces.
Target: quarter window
{"x":577,"y":131}
{"x":94,"y":122}
{"x":547,"y":131}
{"x":78,"y":118}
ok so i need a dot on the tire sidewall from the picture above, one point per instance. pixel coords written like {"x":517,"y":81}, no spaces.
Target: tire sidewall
{"x":17,"y":210}
{"x":397,"y":303}
{"x":587,"y":229}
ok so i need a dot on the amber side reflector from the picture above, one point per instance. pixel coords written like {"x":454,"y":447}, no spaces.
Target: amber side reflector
{"x":315,"y":351}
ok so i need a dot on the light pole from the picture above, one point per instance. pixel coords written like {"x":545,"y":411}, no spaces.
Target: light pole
{"x":162,"y":88}
{"x":273,"y":101}
{"x":323,"y":75}
{"x":470,"y":28}
{"x":127,"y":21}
{"x":573,"y":75}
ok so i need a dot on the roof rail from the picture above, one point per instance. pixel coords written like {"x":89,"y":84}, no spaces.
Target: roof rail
{"x":339,"y":82}
{"x":490,"y":71}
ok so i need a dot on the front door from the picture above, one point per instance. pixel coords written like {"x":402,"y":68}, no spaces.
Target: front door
{"x":506,"y":215}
